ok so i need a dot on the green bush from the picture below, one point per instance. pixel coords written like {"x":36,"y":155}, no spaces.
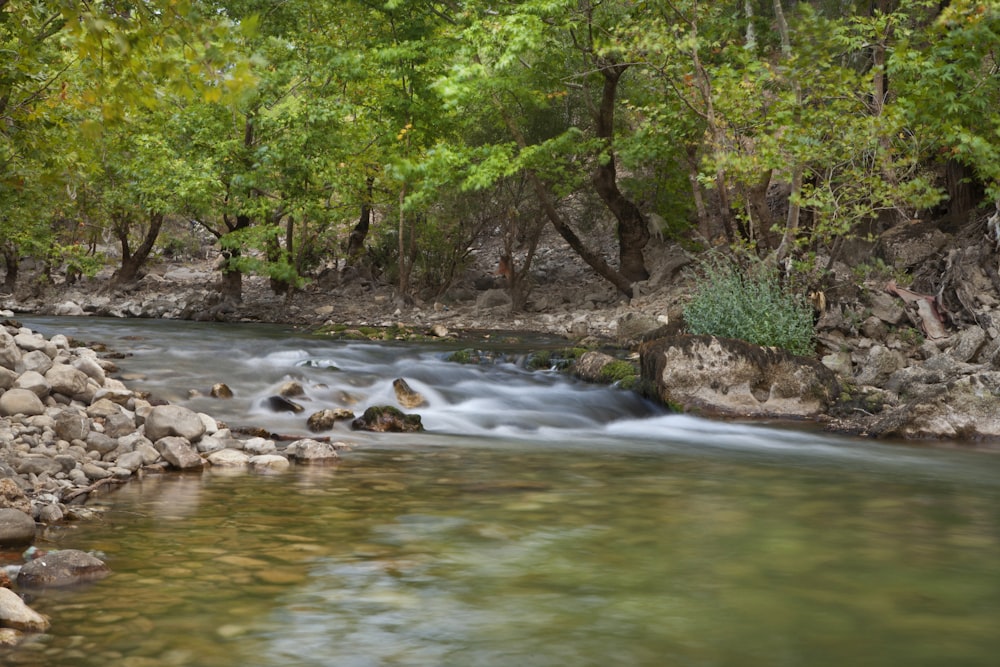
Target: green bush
{"x":749,"y":304}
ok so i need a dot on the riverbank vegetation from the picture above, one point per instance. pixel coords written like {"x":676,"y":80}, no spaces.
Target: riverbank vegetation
{"x":394,"y":136}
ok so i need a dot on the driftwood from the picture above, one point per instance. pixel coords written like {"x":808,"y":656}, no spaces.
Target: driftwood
{"x":927,"y":310}
{"x":107,"y":481}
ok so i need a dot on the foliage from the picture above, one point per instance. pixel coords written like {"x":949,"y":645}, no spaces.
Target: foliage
{"x":749,"y":304}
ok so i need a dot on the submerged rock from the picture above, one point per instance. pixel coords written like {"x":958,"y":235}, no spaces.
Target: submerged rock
{"x":62,"y":568}
{"x":16,"y":527}
{"x":325,"y":419}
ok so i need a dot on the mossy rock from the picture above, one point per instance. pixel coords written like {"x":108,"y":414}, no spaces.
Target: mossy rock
{"x":387,"y":419}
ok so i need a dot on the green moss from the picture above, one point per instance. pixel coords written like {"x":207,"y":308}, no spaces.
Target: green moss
{"x":620,"y":372}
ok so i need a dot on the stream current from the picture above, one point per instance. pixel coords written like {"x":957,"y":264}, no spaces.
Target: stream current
{"x":539,"y":521}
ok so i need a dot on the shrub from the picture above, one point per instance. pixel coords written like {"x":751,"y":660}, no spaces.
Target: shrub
{"x":749,"y":304}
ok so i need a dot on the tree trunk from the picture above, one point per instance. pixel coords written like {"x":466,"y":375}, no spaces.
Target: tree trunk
{"x":356,"y":241}
{"x":633,"y":230}
{"x":133,"y":261}
{"x":12,"y":264}
{"x":231,"y":287}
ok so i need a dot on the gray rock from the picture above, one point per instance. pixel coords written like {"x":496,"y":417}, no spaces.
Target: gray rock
{"x":16,"y":527}
{"x":91,"y":368}
{"x":173,"y":420}
{"x":879,"y":365}
{"x":179,"y":453}
{"x":131,"y":461}
{"x":493,"y":298}
{"x":50,"y":514}
{"x":268,"y":463}
{"x":119,"y":425}
{"x":36,"y":360}
{"x":37,"y":465}
{"x":229,"y":458}
{"x":589,"y":366}
{"x":61,"y":568}
{"x":308,"y":450}
{"x":15,"y":614}
{"x":887,"y":308}
{"x":728,"y":377}
{"x":68,"y":381}
{"x":10,"y":353}
{"x":34,"y":382}
{"x":94,"y":472}
{"x":20,"y":402}
{"x":7,"y":378}
{"x":72,"y":425}
{"x":632,"y":326}
{"x":259,"y":446}
{"x":101,"y":443}
{"x":967,"y":344}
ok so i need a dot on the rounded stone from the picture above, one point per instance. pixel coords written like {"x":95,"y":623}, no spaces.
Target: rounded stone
{"x":16,"y":527}
{"x":20,"y":402}
{"x":61,"y":568}
{"x":174,"y":420}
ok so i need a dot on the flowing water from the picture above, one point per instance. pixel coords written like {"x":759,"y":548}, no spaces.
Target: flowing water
{"x":538,"y":522}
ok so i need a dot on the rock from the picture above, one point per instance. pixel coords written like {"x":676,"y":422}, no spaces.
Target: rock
{"x":94,"y":472}
{"x":91,"y":368}
{"x":282,"y":404}
{"x":20,"y":402}
{"x":10,"y":353}
{"x":493,"y":298}
{"x":439,"y":331}
{"x":12,"y":496}
{"x":7,"y":378}
{"x":269,"y":463}
{"x":886,"y":307}
{"x":879,"y":365}
{"x":961,"y":410}
{"x":308,"y":450}
{"x":16,"y":527}
{"x":325,"y":419}
{"x":632,"y":326}
{"x":406,"y":396}
{"x":589,"y":366}
{"x":131,"y":461}
{"x":72,"y":425}
{"x":37,"y":361}
{"x":721,"y":376}
{"x":34,"y":382}
{"x":840,"y":363}
{"x":68,"y":309}
{"x":173,"y":420}
{"x":291,"y":388}
{"x":15,"y":614}
{"x":102,"y":408}
{"x":229,"y":458}
{"x":259,"y":446}
{"x":967,"y":344}
{"x":179,"y":453}
{"x":61,"y":568}
{"x":68,"y":381}
{"x":908,"y":244}
{"x":387,"y":419}
{"x":220,"y":390}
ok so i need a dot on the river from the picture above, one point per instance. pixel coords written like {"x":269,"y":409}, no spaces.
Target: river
{"x":539,"y":521}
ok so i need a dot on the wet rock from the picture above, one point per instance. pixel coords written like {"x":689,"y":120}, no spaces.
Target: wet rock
{"x":179,"y":453}
{"x":16,"y":615}
{"x":387,"y":419}
{"x":20,"y":401}
{"x":282,"y":404}
{"x":61,"y":568}
{"x":728,"y":377}
{"x":229,"y":458}
{"x":291,"y":388}
{"x":259,"y":446}
{"x":268,"y":463}
{"x":406,"y":395}
{"x":325,"y":419}
{"x":308,"y":450}
{"x":220,"y":390}
{"x":16,"y":527}
{"x":173,"y":420}
{"x":590,"y":364}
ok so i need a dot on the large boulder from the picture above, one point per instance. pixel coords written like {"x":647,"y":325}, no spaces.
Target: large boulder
{"x":20,"y":402}
{"x":174,"y":420}
{"x":179,"y":453}
{"x":68,"y":381}
{"x":308,"y":450}
{"x":61,"y":568}
{"x":14,"y":613}
{"x":733,"y":378}
{"x":16,"y":527}
{"x":962,"y":409}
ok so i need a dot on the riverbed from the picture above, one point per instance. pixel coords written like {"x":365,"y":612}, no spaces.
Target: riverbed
{"x":538,"y":521}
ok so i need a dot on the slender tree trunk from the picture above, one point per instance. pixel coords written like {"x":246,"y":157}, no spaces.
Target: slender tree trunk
{"x":231,"y":288}
{"x":633,"y":229}
{"x":356,"y":241}
{"x":794,"y":208}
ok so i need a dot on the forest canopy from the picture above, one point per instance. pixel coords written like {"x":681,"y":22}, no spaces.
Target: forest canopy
{"x":397,"y":133}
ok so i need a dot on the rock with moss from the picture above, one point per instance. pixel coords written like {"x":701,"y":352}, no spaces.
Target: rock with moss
{"x":733,"y":378}
{"x":387,"y":419}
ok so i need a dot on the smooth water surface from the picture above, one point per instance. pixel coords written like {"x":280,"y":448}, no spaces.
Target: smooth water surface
{"x":605,"y":533}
